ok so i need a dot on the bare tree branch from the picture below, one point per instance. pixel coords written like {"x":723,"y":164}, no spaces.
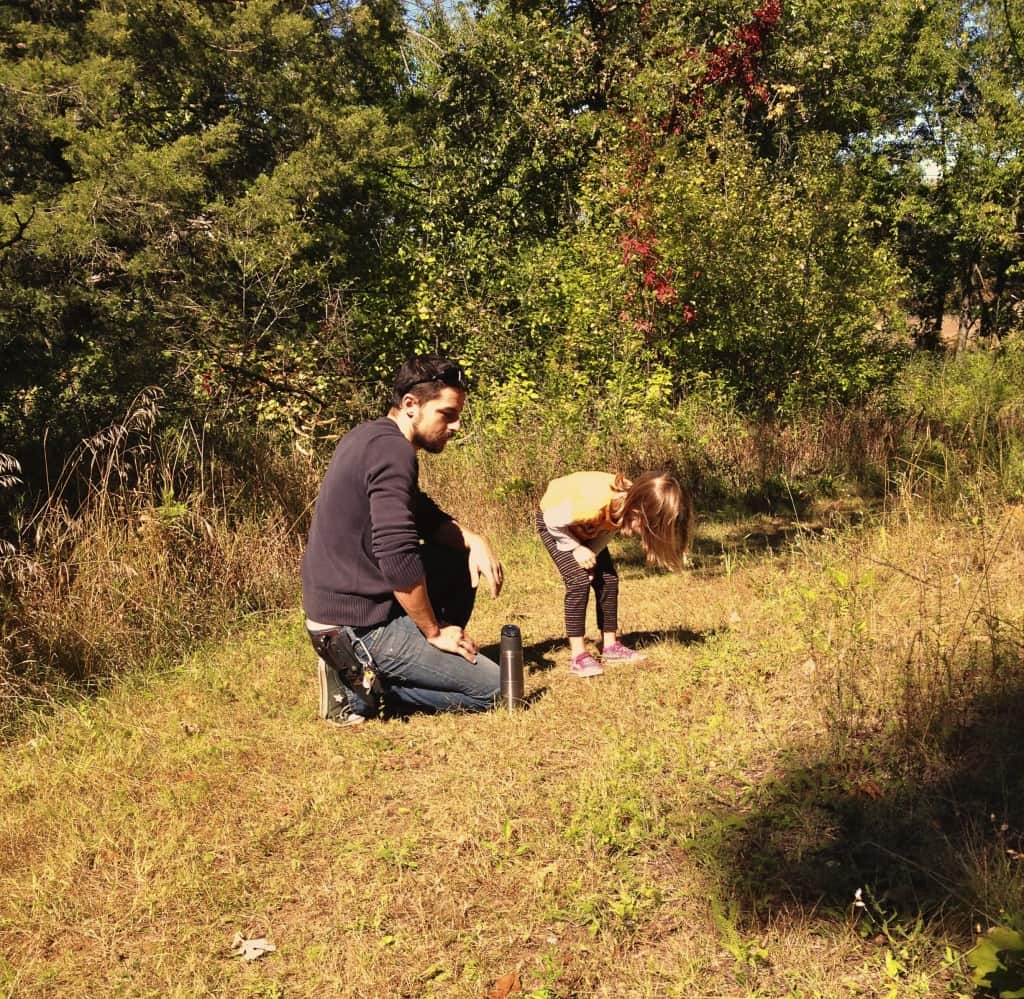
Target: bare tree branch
{"x":6,"y":244}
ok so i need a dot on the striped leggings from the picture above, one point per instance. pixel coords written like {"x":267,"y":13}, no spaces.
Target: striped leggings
{"x":578,"y":582}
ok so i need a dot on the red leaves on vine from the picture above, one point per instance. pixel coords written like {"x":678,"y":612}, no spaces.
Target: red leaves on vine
{"x":642,"y":151}
{"x":634,"y":247}
{"x":769,"y":14}
{"x":639,"y":250}
{"x":734,"y":63}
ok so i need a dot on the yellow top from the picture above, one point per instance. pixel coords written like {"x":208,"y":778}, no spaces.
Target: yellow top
{"x":576,"y":509}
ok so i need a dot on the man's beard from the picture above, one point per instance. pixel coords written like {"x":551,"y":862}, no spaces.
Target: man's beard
{"x":430,"y":445}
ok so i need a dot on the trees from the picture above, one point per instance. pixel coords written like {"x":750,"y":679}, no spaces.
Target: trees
{"x":972,"y":136}
{"x":752,"y":193}
{"x":939,"y":145}
{"x":263,"y":206}
{"x":610,"y":193}
{"x":193,"y":188}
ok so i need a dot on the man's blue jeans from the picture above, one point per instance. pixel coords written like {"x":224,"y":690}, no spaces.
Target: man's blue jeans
{"x":418,"y":677}
{"x":415,"y":675}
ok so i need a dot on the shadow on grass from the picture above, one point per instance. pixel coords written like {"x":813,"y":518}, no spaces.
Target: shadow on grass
{"x":932,"y":824}
{"x":537,"y":655}
{"x":768,"y":536}
{"x":397,"y":711}
{"x":534,"y":696}
{"x":681,"y":636}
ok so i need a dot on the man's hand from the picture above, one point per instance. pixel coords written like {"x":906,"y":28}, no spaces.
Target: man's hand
{"x":585,"y":558}
{"x":483,"y":562}
{"x":452,"y":638}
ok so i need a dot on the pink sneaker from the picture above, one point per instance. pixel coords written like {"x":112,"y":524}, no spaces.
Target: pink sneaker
{"x":585,"y":665}
{"x":619,"y":653}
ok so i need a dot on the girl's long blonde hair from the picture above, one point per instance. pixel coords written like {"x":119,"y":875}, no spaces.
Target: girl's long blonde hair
{"x":662,"y":511}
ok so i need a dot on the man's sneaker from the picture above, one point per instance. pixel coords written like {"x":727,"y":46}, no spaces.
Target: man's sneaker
{"x":619,"y":653}
{"x":332,"y":693}
{"x":346,"y":718}
{"x":585,"y":665}
{"x":333,"y":702}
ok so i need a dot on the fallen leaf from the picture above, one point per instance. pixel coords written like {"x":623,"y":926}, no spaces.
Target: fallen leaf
{"x":505,"y":986}
{"x":249,"y":950}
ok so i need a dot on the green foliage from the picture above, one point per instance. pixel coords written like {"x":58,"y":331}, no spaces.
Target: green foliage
{"x":264,"y":207}
{"x":998,"y":963}
{"x":979,"y":389}
{"x":784,"y":286}
{"x":765,"y":275}
{"x":613,"y":815}
{"x":193,"y":193}
{"x":969,"y":411}
{"x":747,"y":953}
{"x":945,"y":165}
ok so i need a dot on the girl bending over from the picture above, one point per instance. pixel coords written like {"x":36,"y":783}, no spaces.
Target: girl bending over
{"x":578,"y":516}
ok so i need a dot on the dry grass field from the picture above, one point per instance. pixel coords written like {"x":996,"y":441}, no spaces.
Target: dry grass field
{"x":811,"y":788}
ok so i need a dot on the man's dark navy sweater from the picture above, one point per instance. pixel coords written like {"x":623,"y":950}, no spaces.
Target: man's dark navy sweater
{"x":364,"y":542}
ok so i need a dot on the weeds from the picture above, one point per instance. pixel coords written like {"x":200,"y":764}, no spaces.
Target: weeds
{"x":163,"y":549}
{"x":915,"y":665}
{"x":733,"y":463}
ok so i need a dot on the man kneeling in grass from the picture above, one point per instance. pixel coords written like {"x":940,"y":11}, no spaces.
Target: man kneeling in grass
{"x":389,"y":579}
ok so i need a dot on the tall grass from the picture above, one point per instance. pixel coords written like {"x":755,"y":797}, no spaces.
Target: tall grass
{"x":917,"y":648}
{"x":950,"y":429}
{"x":500,"y":467}
{"x":145,"y":546}
{"x":965,"y":423}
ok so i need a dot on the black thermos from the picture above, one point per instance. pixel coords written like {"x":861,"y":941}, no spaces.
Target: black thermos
{"x":511,"y":667}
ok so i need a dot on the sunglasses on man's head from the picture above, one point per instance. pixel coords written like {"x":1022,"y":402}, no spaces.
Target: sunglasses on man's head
{"x":454,"y":377}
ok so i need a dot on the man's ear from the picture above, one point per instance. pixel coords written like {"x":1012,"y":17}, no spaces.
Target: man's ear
{"x":408,"y":402}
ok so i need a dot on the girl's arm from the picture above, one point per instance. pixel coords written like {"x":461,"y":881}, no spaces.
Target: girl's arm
{"x":558,"y":520}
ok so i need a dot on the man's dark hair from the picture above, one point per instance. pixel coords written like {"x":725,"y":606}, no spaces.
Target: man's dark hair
{"x":424,"y":377}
